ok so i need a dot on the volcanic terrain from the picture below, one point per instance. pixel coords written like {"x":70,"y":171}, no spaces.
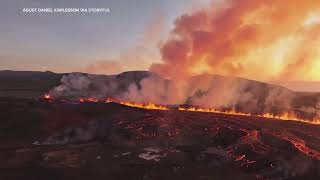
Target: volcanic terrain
{"x":59,"y":140}
{"x":44,"y":138}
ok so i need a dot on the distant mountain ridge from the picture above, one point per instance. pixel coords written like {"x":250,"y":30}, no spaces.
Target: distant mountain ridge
{"x":250,"y":96}
{"x":14,"y":80}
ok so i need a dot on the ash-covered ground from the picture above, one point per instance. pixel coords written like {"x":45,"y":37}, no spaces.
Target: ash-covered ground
{"x":59,"y":140}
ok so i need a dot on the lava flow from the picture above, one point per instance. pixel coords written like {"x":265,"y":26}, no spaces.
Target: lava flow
{"x":47,"y":96}
{"x":285,"y":116}
{"x":139,"y":105}
{"x":171,"y":140}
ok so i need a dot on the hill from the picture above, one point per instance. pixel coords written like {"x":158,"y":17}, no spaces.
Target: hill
{"x":216,"y":91}
{"x":27,"y":84}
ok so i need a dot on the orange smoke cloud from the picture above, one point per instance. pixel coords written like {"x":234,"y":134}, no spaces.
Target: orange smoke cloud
{"x":251,"y":38}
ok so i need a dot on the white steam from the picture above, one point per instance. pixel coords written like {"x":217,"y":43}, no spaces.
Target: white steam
{"x":205,"y":90}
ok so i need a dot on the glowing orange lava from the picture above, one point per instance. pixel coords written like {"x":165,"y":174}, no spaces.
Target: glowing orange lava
{"x":139,"y":105}
{"x":47,"y":96}
{"x":82,"y":100}
{"x":92,"y":99}
{"x":284,"y":116}
{"x":212,"y":111}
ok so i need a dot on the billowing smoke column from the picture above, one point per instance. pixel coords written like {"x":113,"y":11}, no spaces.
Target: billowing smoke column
{"x":260,"y":39}
{"x":135,"y":86}
{"x":78,"y":85}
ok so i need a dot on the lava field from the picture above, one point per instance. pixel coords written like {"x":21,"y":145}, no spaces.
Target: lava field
{"x":111,"y":141}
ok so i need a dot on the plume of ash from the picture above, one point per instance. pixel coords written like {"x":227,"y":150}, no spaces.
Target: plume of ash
{"x":221,"y":93}
{"x":76,"y":85}
{"x":157,"y":90}
{"x":239,"y":94}
{"x":205,"y":91}
{"x":315,"y":109}
{"x":279,"y":99}
{"x":126,"y":86}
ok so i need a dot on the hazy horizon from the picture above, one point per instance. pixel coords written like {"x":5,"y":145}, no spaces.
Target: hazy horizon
{"x":142,"y":35}
{"x":300,"y":86}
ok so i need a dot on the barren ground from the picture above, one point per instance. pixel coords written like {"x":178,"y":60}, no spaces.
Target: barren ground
{"x":57,"y":140}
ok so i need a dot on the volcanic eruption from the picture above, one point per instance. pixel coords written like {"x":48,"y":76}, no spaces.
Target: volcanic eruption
{"x":206,"y":110}
{"x":261,"y":40}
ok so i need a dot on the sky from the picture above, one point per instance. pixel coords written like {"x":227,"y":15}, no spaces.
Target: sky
{"x":130,"y":37}
{"x":73,"y":42}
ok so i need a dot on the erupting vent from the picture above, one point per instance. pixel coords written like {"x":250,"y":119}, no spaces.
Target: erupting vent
{"x":285,"y":116}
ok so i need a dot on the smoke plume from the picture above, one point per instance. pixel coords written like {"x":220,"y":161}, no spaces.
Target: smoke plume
{"x":211,"y":91}
{"x":250,"y":38}
{"x":257,"y":39}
